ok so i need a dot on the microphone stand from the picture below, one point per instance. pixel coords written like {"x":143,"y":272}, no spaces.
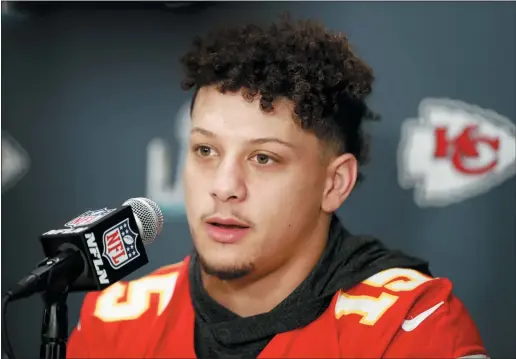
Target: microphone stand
{"x":53,"y":277}
{"x":54,"y":330}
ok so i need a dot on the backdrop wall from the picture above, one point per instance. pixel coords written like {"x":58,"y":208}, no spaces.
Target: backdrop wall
{"x":89,"y":95}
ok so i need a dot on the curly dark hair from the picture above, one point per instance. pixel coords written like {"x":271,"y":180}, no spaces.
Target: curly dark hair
{"x":299,"y":60}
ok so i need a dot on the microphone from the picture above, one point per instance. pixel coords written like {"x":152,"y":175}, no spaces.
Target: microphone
{"x":94,"y":250}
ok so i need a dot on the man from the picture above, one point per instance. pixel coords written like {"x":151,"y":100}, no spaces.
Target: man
{"x":275,"y":149}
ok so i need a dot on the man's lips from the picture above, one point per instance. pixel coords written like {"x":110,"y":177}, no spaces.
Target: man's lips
{"x":226,"y":230}
{"x":229,"y":221}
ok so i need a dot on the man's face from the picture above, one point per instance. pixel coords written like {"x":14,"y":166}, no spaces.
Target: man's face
{"x":254,"y":184}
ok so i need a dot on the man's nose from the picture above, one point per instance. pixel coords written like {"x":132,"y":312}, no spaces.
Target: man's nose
{"x":229,"y":182}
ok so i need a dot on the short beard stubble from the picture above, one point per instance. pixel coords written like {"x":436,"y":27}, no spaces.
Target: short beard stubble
{"x":227,"y":273}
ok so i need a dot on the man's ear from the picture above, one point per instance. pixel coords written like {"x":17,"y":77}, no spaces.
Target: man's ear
{"x":341,"y":176}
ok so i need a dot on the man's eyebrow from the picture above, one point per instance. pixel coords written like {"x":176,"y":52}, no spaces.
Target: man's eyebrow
{"x":259,"y":141}
{"x":255,"y":141}
{"x":202,"y":131}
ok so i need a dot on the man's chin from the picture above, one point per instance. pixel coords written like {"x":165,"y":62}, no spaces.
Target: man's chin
{"x":225,"y":272}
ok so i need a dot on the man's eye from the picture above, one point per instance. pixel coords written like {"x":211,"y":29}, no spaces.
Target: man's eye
{"x":263,"y":159}
{"x":203,"y":151}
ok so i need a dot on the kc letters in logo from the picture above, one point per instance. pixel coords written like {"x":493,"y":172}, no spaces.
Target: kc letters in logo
{"x":455,"y":151}
{"x":120,"y":244}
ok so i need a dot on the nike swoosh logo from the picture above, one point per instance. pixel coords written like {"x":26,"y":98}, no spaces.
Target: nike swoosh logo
{"x":411,"y":324}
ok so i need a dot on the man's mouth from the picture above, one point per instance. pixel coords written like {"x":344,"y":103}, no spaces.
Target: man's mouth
{"x":226,"y":230}
{"x":228,"y":226}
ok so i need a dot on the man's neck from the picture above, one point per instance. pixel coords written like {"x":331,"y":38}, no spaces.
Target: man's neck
{"x":260,"y":294}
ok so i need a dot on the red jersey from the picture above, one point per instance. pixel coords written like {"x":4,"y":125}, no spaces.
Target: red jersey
{"x":397,"y":313}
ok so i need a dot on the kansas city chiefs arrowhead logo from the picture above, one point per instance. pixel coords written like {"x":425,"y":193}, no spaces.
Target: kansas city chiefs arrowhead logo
{"x":15,"y":161}
{"x":454,"y":151}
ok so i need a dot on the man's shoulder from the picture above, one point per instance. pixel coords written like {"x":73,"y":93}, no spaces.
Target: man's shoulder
{"x":146,"y":296}
{"x":387,"y":294}
{"x":402,"y":308}
{"x":110,"y":318}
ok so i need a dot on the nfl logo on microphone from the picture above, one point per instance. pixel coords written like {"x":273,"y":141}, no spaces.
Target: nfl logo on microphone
{"x":120,"y":244}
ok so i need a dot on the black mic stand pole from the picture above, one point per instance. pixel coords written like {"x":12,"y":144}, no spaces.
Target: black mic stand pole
{"x":64,"y":270}
{"x":54,"y":331}
{"x":53,"y":277}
